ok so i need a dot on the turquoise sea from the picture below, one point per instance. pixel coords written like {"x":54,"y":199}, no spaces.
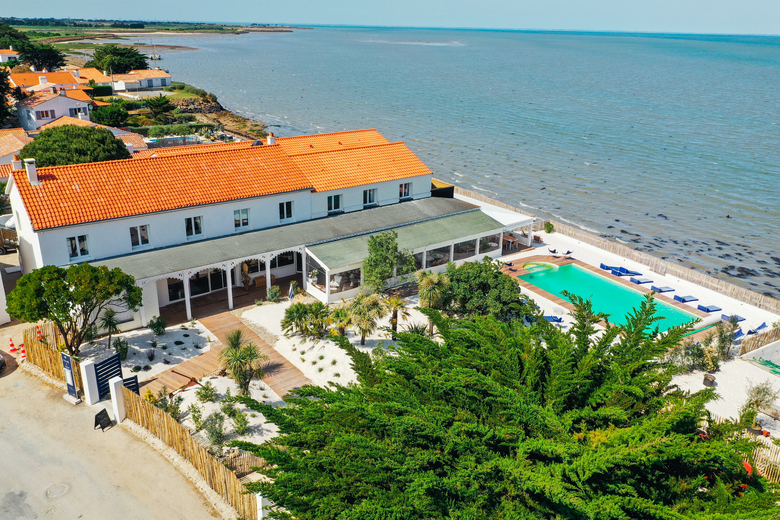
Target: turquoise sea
{"x":669,"y":142}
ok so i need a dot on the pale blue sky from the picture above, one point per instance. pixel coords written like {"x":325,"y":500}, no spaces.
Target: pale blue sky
{"x":686,"y":16}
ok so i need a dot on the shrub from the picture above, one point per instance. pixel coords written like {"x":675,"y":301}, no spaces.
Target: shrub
{"x":153,"y":343}
{"x":186,"y":335}
{"x":229,"y":409}
{"x":336,"y":375}
{"x":214,"y":425}
{"x":178,"y":342}
{"x":274,"y":294}
{"x":196,"y":414}
{"x":206,"y":393}
{"x":240,"y":423}
{"x":320,"y":369}
{"x":138,"y":369}
{"x":157,"y":325}
{"x":147,"y":368}
{"x":333,"y":362}
{"x":150,"y":355}
{"x":549,"y":227}
{"x":121,"y":347}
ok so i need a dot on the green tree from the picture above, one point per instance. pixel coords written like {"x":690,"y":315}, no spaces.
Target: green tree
{"x":366,"y":310}
{"x":158,"y":105}
{"x":71,"y":144}
{"x":109,"y":116}
{"x":341,"y":318}
{"x":432,"y":290}
{"x":42,"y":56}
{"x":499,"y":421}
{"x":396,"y":306}
{"x":242,"y":361}
{"x":5,"y":91}
{"x":73,"y":298}
{"x":114,"y":59}
{"x":383,"y":258}
{"x":109,"y":323}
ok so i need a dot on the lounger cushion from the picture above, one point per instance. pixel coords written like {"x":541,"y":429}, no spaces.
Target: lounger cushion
{"x":641,"y":280}
{"x":726,"y":317}
{"x":685,"y":299}
{"x":709,"y":308}
{"x":662,"y":289}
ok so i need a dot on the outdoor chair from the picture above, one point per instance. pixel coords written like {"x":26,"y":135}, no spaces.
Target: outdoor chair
{"x":661,"y":289}
{"x":757,"y":329}
{"x":685,"y":299}
{"x":726,"y":317}
{"x":709,"y":308}
{"x":739,"y":334}
{"x":640,"y":281}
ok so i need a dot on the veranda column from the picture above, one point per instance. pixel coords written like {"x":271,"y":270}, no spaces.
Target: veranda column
{"x":187,"y":297}
{"x":268,"y":274}
{"x":229,"y":289}
{"x":530,"y":233}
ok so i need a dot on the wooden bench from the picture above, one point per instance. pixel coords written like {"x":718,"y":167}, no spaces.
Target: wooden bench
{"x":260,"y":281}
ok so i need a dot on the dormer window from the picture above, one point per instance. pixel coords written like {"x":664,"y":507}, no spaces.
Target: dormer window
{"x":369,"y":198}
{"x":285,"y":211}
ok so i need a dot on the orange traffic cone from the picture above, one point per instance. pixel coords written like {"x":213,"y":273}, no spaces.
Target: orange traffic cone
{"x":13,"y":348}
{"x":23,"y":355}
{"x":38,"y":332}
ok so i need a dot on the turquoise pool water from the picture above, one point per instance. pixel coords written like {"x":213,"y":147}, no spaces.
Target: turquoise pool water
{"x":607,"y":296}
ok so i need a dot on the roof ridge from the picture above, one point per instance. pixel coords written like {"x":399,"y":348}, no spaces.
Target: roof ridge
{"x":199,"y":149}
{"x":328,"y":133}
{"x":357,"y":147}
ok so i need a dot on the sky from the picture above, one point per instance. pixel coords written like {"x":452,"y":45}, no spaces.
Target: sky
{"x":664,"y":16}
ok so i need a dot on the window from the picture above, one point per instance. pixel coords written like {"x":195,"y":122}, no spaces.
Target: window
{"x":437,"y":257}
{"x":285,"y":211}
{"x":345,"y":281}
{"x":44,"y":114}
{"x":464,"y":250}
{"x":369,"y":197}
{"x":405,"y":191}
{"x":139,"y":236}
{"x":334,"y":203}
{"x":283,"y":259}
{"x":241,"y":218}
{"x":77,"y":247}
{"x":74,"y":112}
{"x":194,"y":226}
{"x":418,"y":261}
{"x":489,"y":244}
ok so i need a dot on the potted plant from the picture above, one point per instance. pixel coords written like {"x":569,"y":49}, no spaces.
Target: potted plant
{"x":245,"y":278}
{"x":313,"y":274}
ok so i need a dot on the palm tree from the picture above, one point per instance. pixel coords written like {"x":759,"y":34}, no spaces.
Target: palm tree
{"x":318,"y":319}
{"x":296,"y":318}
{"x":366,"y":309}
{"x":431,"y":287}
{"x":109,"y":323}
{"x":243,"y":364}
{"x":396,"y":306}
{"x":341,"y":318}
{"x":235,"y":339}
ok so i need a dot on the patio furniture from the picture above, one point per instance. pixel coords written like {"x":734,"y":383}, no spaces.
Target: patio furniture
{"x":609,"y":267}
{"x":620,"y":273}
{"x":738,"y":334}
{"x":568,"y":253}
{"x":552,"y":251}
{"x":757,"y":329}
{"x":629,"y":272}
{"x":709,"y":380}
{"x":640,"y":281}
{"x":554,"y":319}
{"x":661,"y":289}
{"x":260,"y":280}
{"x":685,"y":299}
{"x":537,"y":239}
{"x":726,"y":317}
{"x":709,"y":308}
{"x":509,"y":264}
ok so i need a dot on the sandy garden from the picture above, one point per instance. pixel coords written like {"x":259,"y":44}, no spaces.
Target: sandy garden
{"x":147,"y":354}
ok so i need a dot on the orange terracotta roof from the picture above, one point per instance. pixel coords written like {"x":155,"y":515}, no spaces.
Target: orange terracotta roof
{"x":5,"y":171}
{"x":78,"y":95}
{"x":327,"y":142}
{"x":67,"y":120}
{"x":37,"y":99}
{"x":98,"y":103}
{"x":136,"y":140}
{"x":192,"y":149}
{"x":88,"y":73}
{"x":8,"y":52}
{"x":29,"y":79}
{"x":135,"y":75}
{"x":90,"y":192}
{"x":12,"y":143}
{"x":333,"y":170}
{"x":13,"y":131}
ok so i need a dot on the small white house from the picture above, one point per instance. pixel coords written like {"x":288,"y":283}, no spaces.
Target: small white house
{"x":44,"y":107}
{"x":7,"y":55}
{"x":141,"y":80}
{"x":11,"y":141}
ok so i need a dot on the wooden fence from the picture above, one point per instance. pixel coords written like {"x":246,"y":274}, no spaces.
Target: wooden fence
{"x":752,"y":343}
{"x":242,"y":462}
{"x":220,"y":478}
{"x":655,"y":264}
{"x":765,"y":457}
{"x":45,"y":355}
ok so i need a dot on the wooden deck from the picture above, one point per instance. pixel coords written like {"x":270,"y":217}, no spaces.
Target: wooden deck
{"x":280,"y":375}
{"x":518,"y":271}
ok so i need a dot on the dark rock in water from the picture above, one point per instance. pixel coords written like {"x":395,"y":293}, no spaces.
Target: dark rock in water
{"x":739,"y":272}
{"x":663,"y":216}
{"x":776,"y":260}
{"x":198,"y":106}
{"x":720,"y":243}
{"x":610,"y":227}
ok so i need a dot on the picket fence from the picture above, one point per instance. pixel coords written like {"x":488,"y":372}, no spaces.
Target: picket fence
{"x":46,"y":355}
{"x":752,"y":343}
{"x":766,"y":457}
{"x":219,"y":478}
{"x":657,"y":265}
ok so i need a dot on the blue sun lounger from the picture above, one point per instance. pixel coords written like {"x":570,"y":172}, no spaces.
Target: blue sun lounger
{"x":609,"y":267}
{"x":662,"y":289}
{"x":629,"y":272}
{"x":685,"y":299}
{"x":554,"y":319}
{"x":738,"y":334}
{"x":709,"y":308}
{"x":640,"y":281}
{"x":726,"y":317}
{"x":757,"y":329}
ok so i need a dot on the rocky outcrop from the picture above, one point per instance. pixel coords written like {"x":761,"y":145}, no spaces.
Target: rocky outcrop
{"x":198,"y":106}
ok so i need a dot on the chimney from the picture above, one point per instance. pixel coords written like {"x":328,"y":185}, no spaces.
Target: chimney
{"x":129,"y":147}
{"x":10,"y":47}
{"x":271,"y":139}
{"x":16,"y":164}
{"x":41,"y":80}
{"x":32,"y":172}
{"x":62,"y":91}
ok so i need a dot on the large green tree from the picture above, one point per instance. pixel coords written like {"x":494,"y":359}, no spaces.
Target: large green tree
{"x":5,"y":91}
{"x":499,"y":421}
{"x":383,"y":258}
{"x":73,"y":299}
{"x":158,"y":105}
{"x":111,"y":115}
{"x":114,"y":59}
{"x":42,"y":56}
{"x":71,"y":144}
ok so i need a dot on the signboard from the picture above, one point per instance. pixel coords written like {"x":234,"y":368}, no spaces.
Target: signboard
{"x":102,"y":420}
{"x":67,"y":364}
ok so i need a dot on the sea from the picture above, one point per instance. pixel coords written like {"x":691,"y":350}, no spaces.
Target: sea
{"x":670,"y":143}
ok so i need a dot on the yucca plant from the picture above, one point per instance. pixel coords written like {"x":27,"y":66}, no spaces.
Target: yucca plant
{"x":431,"y":287}
{"x":367,"y":310}
{"x":397,"y":307}
{"x":295,"y":318}
{"x":341,"y":318}
{"x":243,"y":364}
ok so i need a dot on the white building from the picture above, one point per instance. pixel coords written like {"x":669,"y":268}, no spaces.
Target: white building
{"x":7,"y":55}
{"x":12,"y":140}
{"x":44,"y":107}
{"x":187,"y":223}
{"x":141,"y":79}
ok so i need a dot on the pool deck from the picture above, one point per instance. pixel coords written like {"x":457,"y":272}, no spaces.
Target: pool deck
{"x":518,"y":271}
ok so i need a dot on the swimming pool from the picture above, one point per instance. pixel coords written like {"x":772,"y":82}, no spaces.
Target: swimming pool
{"x":607,"y":296}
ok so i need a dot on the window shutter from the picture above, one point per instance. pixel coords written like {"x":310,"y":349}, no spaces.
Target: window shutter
{"x":37,"y":114}
{"x":72,"y":112}
{"x":51,"y":113}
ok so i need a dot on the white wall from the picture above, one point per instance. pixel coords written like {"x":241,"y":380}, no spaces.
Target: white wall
{"x":112,"y":237}
{"x":61,"y":106}
{"x":4,"y":317}
{"x":387,"y":193}
{"x":5,"y":58}
{"x":29,"y":244}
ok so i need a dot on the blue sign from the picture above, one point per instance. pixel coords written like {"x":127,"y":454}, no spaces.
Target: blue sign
{"x":67,"y":364}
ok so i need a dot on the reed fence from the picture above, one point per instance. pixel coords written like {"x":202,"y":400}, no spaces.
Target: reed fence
{"x":766,"y":458}
{"x":657,"y":265}
{"x":242,"y":462}
{"x":45,"y":354}
{"x":220,"y":478}
{"x":752,"y":343}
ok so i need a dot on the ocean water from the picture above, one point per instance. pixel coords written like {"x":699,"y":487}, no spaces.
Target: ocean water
{"x":669,"y":143}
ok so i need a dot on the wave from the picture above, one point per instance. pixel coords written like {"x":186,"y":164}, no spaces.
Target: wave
{"x":430,"y":44}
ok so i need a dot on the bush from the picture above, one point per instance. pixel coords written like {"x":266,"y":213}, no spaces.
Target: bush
{"x":157,"y":325}
{"x":147,"y":368}
{"x":549,"y":227}
{"x":214,"y":425}
{"x":229,"y":408}
{"x":102,"y":91}
{"x":178,"y":342}
{"x":240,"y":423}
{"x":274,"y":294}
{"x":196,"y":414}
{"x":165,"y":130}
{"x":150,"y":355}
{"x":136,"y":369}
{"x":121,"y":347}
{"x":206,"y":393}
